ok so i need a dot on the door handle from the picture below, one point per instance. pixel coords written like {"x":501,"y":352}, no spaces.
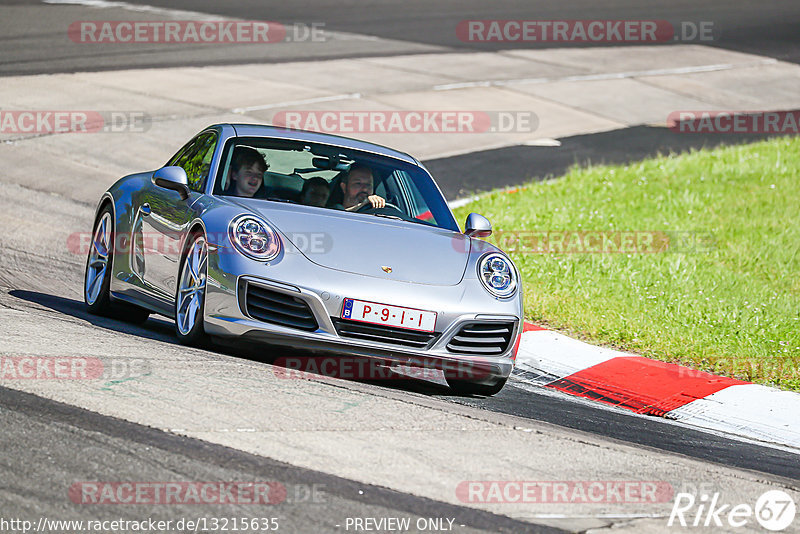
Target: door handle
{"x":145,"y":209}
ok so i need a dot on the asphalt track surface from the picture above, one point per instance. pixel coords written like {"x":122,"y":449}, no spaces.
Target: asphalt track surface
{"x":33,"y":35}
{"x":48,"y":446}
{"x":40,"y":437}
{"x":766,"y":28}
{"x":516,"y":399}
{"x":36,"y":44}
{"x":466,"y":174}
{"x":126,"y":451}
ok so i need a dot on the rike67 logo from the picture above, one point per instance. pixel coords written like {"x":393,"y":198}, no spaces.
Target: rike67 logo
{"x":774,"y":510}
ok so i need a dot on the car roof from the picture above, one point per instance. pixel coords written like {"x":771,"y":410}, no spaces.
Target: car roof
{"x":264,"y":130}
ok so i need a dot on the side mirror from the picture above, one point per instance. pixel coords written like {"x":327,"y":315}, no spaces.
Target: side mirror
{"x":173,"y":178}
{"x":477,"y":226}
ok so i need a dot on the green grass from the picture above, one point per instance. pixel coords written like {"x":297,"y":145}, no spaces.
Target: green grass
{"x":728,"y":302}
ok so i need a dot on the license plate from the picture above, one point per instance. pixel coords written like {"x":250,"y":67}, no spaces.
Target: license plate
{"x":385,"y":314}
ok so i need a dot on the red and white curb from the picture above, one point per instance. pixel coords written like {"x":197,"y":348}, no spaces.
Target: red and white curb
{"x":552,"y":360}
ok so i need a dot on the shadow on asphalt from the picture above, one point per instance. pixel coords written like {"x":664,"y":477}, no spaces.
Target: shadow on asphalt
{"x":461,"y":176}
{"x":297,"y":364}
{"x":512,"y":400}
{"x":154,"y":328}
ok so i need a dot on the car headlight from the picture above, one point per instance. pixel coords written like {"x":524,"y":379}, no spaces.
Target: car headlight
{"x":497,"y":275}
{"x":254,"y":238}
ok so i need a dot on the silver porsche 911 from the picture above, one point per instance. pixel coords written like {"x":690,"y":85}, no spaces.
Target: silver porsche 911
{"x":312,"y":241}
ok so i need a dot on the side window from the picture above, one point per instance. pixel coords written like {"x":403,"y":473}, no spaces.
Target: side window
{"x":196,"y":159}
{"x":390,"y":190}
{"x":419,"y":209}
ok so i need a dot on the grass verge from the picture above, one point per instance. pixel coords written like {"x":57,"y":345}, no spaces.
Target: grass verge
{"x":692,"y":258}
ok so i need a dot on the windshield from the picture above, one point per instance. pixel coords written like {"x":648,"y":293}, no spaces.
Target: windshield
{"x":330,"y":177}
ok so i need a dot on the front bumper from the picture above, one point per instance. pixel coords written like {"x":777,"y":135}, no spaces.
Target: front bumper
{"x":323,"y":291}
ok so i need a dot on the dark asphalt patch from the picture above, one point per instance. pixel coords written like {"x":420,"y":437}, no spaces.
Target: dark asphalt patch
{"x":56,"y":445}
{"x":462,"y":176}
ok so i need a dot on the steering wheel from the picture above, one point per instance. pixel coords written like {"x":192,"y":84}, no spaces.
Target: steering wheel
{"x":368,"y":206}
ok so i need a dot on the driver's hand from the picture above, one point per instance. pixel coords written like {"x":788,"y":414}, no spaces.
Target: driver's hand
{"x":376,"y":201}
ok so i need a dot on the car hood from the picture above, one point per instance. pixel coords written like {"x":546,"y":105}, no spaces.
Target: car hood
{"x":369,"y":245}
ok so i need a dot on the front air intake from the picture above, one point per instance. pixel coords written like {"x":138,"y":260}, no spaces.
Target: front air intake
{"x":482,"y":339}
{"x":384,"y":334}
{"x":278,"y":308}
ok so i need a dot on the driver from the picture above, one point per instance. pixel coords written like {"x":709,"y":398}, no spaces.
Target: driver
{"x":357,"y":186}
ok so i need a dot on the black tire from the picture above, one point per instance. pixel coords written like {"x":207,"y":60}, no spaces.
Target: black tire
{"x":101,"y":304}
{"x":196,"y":335}
{"x":464,"y":387}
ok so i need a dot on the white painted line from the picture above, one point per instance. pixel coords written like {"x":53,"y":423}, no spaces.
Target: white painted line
{"x":521,"y":383}
{"x":604,"y":76}
{"x":546,"y":141}
{"x":470,"y":150}
{"x":106,"y":4}
{"x":552,"y":356}
{"x":465,"y":85}
{"x":181,"y":13}
{"x":748,"y":412}
{"x":347,"y":36}
{"x":461,"y":202}
{"x":752,"y":410}
{"x":317,"y":100}
{"x":599,"y":516}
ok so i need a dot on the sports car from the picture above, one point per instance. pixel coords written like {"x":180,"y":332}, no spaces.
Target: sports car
{"x":253,"y":233}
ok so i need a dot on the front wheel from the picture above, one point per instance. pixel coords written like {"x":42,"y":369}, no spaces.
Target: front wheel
{"x":464,"y":387}
{"x":97,"y":280}
{"x":191,"y":295}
